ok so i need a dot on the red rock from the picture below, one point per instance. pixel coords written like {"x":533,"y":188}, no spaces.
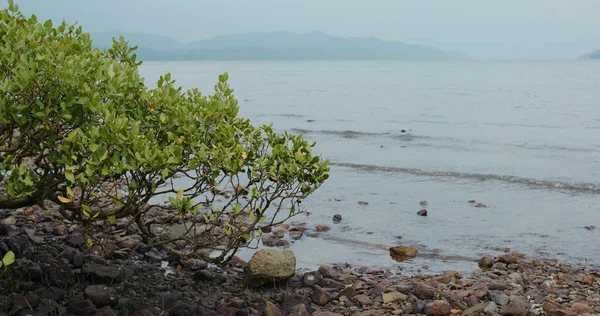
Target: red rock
{"x":424,"y":291}
{"x":321,"y":228}
{"x":327,"y":272}
{"x":438,"y":308}
{"x":508,"y":259}
{"x":295,"y":234}
{"x":362,"y":299}
{"x":517,"y":306}
{"x":422,"y":212}
{"x":349,"y":292}
{"x":320,"y":296}
{"x":272,"y":310}
{"x":581,"y":308}
{"x":588,"y":279}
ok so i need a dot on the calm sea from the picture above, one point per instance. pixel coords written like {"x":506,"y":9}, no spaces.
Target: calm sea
{"x":522,"y":137}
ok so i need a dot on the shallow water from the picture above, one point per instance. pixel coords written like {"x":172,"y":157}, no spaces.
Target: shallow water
{"x":521,"y":137}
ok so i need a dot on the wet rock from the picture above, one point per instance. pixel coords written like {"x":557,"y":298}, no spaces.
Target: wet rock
{"x":60,"y":275}
{"x":480,"y":205}
{"x":363,"y":203}
{"x":438,"y":308}
{"x":422,"y":212}
{"x":337,"y":218}
{"x":517,"y":306}
{"x":101,"y":295}
{"x":401,"y":253}
{"x":77,"y":259}
{"x":321,"y":228}
{"x":591,"y":227}
{"x":272,"y":310}
{"x":486,"y":263}
{"x":296,"y":234}
{"x":269,"y":265}
{"x":203,"y":276}
{"x":499,"y":297}
{"x":130,"y":306}
{"x":101,"y":273}
{"x":76,"y":240}
{"x":320,"y":296}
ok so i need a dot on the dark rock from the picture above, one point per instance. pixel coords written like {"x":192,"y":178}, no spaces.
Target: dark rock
{"x":320,"y":296}
{"x":83,"y":308}
{"x":299,"y":310}
{"x":51,"y":293}
{"x":105,"y":311}
{"x":50,"y":307}
{"x":130,"y":306}
{"x":337,"y":218}
{"x":101,"y":295}
{"x":76,"y":240}
{"x":5,"y":303}
{"x":422,"y":212}
{"x":77,"y":259}
{"x":438,"y":308}
{"x":537,"y":296}
{"x":195,"y":264}
{"x":203,"y":276}
{"x":101,"y":273}
{"x":497,"y":285}
{"x":60,"y":275}
{"x":28,"y":301}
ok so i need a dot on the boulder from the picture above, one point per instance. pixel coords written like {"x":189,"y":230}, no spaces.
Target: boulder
{"x":270,"y":265}
{"x":401,"y":253}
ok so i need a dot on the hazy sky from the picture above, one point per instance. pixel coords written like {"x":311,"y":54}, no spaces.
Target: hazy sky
{"x":480,"y":28}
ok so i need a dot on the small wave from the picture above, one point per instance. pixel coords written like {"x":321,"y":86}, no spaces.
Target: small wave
{"x":535,"y":183}
{"x":282,"y":115}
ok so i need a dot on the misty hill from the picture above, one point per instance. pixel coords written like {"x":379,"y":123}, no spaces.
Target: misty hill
{"x":592,"y":55}
{"x":275,"y":46}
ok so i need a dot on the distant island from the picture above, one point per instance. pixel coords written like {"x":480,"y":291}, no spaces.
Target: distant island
{"x":275,"y":46}
{"x":592,"y":55}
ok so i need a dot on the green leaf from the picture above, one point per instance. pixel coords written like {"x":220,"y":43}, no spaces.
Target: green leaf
{"x":9,"y":258}
{"x":69,"y":176}
{"x":111,"y":219}
{"x":117,"y":202}
{"x":111,"y":71}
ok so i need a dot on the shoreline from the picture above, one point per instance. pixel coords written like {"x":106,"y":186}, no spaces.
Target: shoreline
{"x":57,"y":273}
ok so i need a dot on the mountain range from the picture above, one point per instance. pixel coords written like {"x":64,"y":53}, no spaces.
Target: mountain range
{"x":275,"y":46}
{"x":593,"y":55}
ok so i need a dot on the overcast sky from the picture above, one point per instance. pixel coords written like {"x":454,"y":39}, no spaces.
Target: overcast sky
{"x":481,"y":28}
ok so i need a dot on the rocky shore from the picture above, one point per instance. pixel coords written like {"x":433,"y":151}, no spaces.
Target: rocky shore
{"x":58,"y":273}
